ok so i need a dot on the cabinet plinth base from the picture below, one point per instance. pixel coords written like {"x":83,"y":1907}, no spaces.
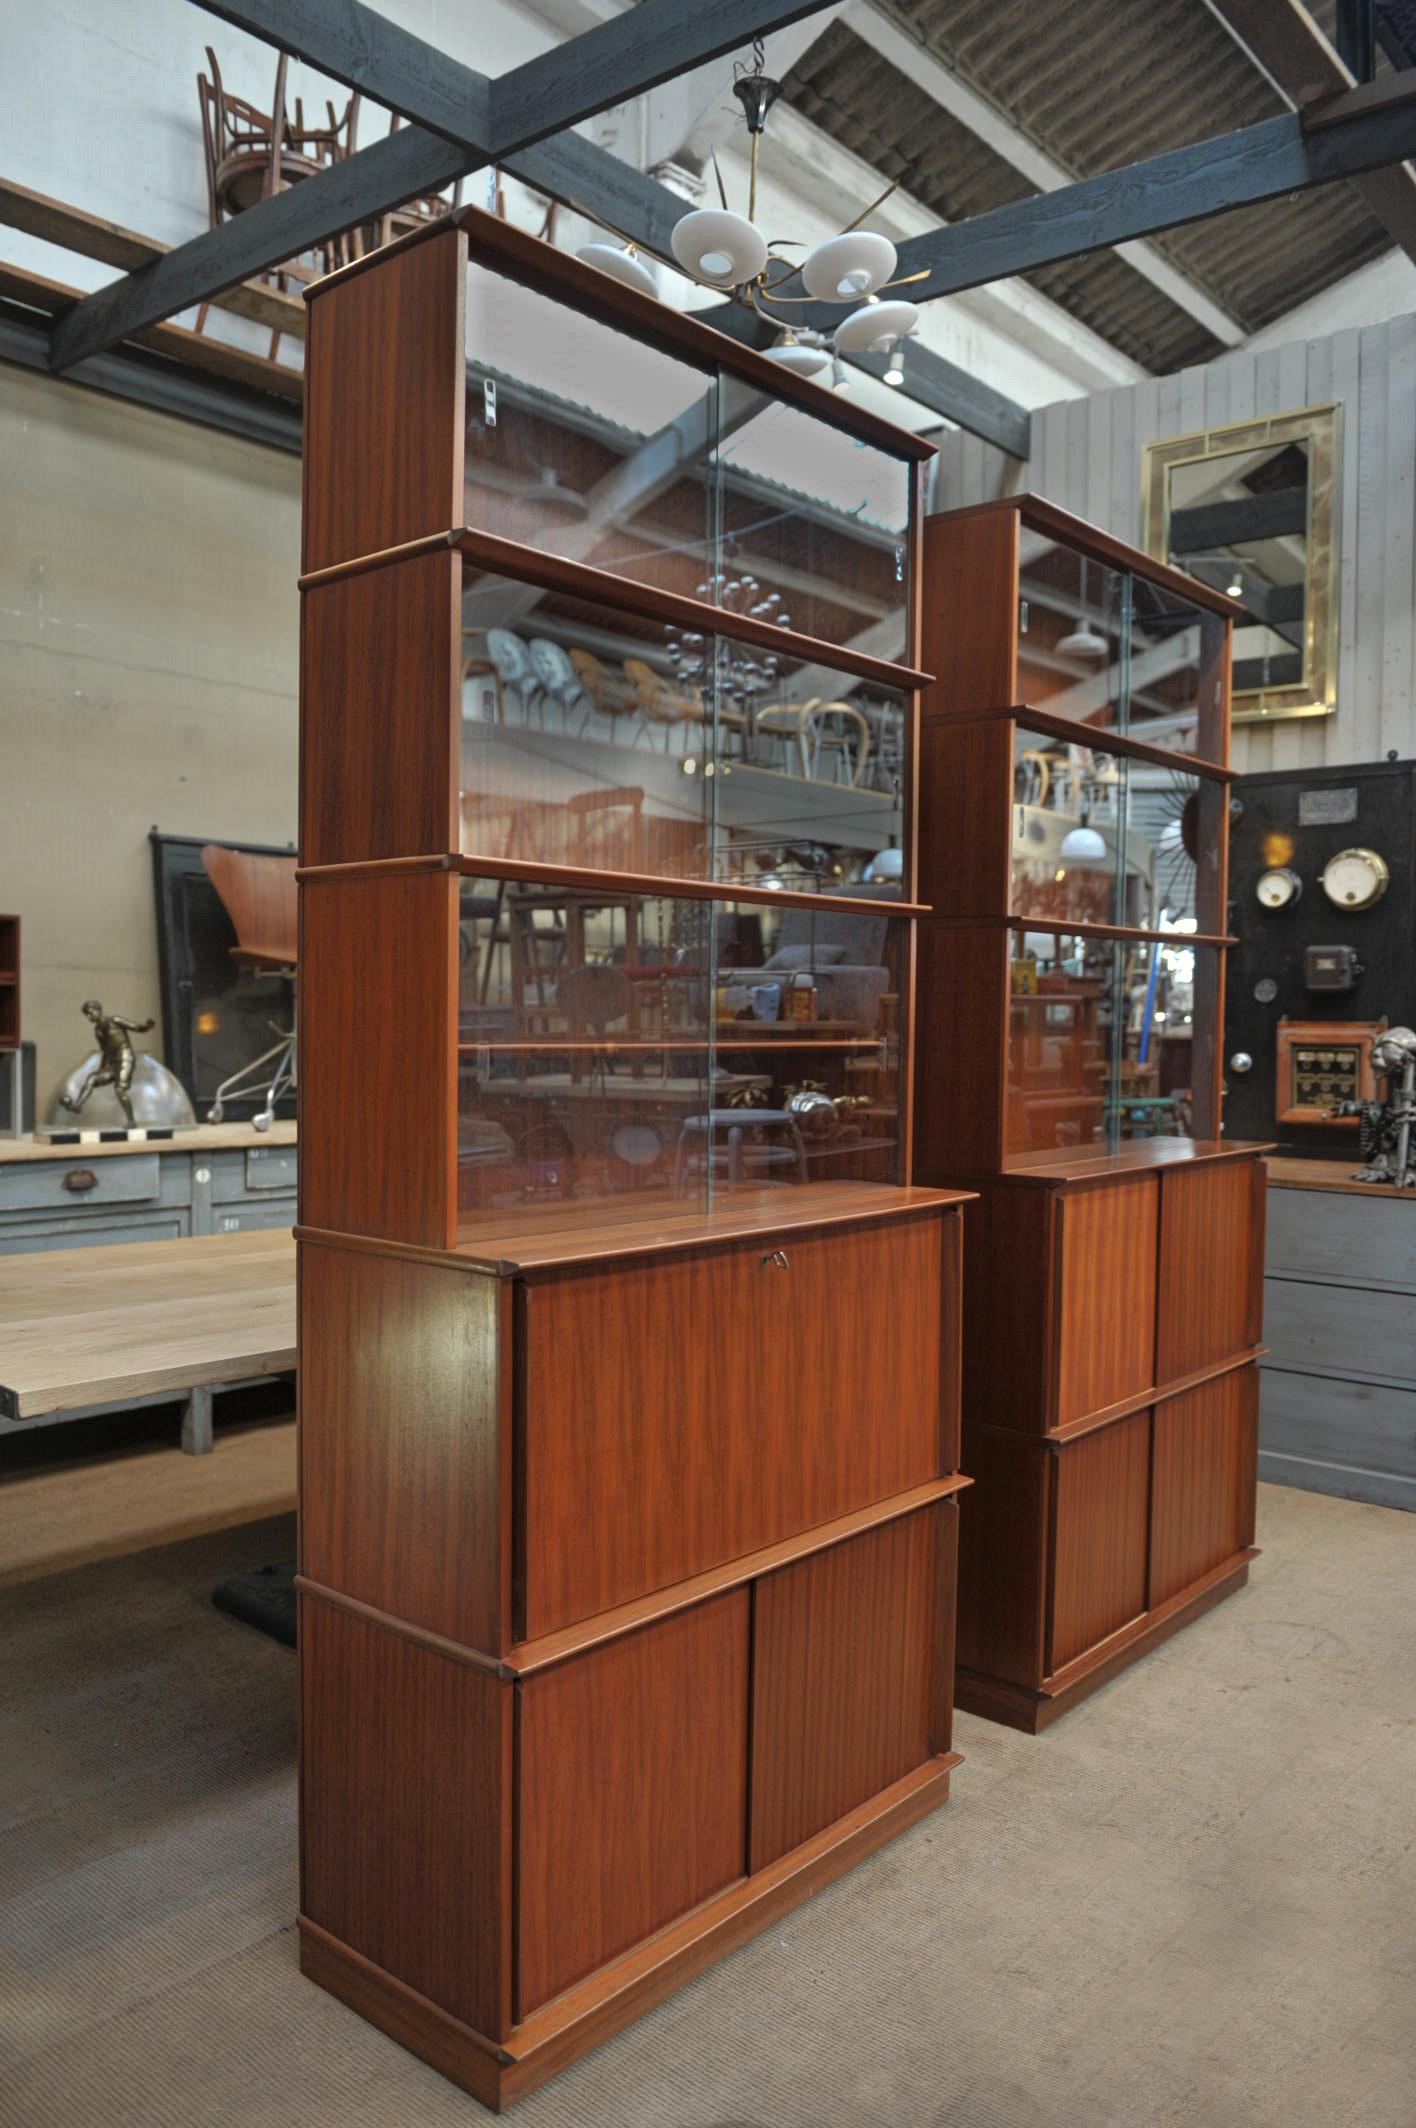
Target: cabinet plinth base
{"x":1034,"y":1708}
{"x":595,"y":2009}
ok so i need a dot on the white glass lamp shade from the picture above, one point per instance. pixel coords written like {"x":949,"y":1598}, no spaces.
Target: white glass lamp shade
{"x":720,"y":248}
{"x":1083,"y":845}
{"x":874,"y":329}
{"x":845,"y":268}
{"x":626,"y":266}
{"x":885,"y":864}
{"x":1084,"y":642}
{"x":806,"y":361}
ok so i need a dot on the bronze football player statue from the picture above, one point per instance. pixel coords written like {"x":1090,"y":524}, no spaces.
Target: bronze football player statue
{"x":117,"y":1060}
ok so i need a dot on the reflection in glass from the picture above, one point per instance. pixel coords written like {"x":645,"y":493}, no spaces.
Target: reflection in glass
{"x":589,"y":444}
{"x":659,"y":1049}
{"x":1103,"y":838}
{"x":1109,"y":1041}
{"x":817,"y":520}
{"x":1239,"y":520}
{"x":598,"y":740}
{"x":1115,"y":651}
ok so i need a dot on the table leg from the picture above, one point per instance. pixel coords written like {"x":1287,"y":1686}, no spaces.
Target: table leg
{"x":196,"y":1423}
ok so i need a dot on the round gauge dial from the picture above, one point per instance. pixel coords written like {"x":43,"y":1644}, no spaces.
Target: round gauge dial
{"x":1355,"y":879}
{"x":1280,"y":888}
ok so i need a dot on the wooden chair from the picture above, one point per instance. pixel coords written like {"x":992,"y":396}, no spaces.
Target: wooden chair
{"x":258,"y":894}
{"x":252,"y":154}
{"x":401,"y":221}
{"x":610,"y":695}
{"x":661,"y":704}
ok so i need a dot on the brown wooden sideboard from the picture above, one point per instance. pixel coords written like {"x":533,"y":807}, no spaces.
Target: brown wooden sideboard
{"x":1073,"y":839}
{"x":629,"y":1417}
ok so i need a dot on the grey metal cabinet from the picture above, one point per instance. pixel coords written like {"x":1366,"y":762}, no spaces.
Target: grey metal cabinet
{"x":149,"y":1194}
{"x":1337,"y":1409}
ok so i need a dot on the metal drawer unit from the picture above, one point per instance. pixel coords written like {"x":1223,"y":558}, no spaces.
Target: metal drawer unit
{"x":1338,"y":1398}
{"x":154,"y":1193}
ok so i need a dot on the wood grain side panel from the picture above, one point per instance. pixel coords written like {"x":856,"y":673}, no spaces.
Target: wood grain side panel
{"x":1009,"y":1268}
{"x":1206,"y":1455}
{"x":961,"y":1049}
{"x":405,"y":1439}
{"x":380,"y":713}
{"x":1106,"y":1295}
{"x":966,"y":813}
{"x":844,"y":1653}
{"x":405,"y":1765}
{"x":811,"y":1390}
{"x":378,"y":1039}
{"x":969,"y":589}
{"x":632,"y":1783}
{"x":951,"y":1337}
{"x":1101,"y":1495}
{"x":384,"y":397}
{"x":1209,"y":1267}
{"x":1003,"y":1527}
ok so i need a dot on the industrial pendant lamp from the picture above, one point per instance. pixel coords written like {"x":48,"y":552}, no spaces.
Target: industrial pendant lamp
{"x":1083,"y":642}
{"x":720,"y":248}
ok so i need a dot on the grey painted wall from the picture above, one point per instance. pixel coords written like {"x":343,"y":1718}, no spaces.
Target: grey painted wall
{"x":1087,"y":457}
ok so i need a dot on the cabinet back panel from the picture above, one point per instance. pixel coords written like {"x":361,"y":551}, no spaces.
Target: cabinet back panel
{"x":1106,"y":1304}
{"x":1003,"y":1556}
{"x":1211,"y":1265}
{"x":632,"y":1780}
{"x":1202,"y":1512}
{"x":843,"y":1660}
{"x":1101,"y":1491}
{"x":716,"y":1402}
{"x":405,"y":1765}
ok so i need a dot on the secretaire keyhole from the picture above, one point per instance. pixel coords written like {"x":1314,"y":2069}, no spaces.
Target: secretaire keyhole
{"x":777,"y":1257}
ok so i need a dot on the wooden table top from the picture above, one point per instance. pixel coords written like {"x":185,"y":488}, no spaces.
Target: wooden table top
{"x":1286,"y":1174}
{"x":206,"y":1138}
{"x":94,"y":1325}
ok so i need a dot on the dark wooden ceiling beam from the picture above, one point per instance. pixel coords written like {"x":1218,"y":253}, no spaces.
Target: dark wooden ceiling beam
{"x":1285,"y":42}
{"x":459,"y":121}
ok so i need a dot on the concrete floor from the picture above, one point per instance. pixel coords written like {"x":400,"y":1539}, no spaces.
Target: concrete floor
{"x":1192,"y":1901}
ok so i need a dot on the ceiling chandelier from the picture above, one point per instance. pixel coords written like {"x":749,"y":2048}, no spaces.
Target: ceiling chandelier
{"x":721,"y":249}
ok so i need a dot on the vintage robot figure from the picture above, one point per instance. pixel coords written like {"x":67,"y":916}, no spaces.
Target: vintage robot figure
{"x":117,"y":1058}
{"x":1387,"y":1129}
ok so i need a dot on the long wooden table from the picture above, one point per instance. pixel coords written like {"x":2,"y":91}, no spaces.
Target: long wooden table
{"x":86,"y":1327}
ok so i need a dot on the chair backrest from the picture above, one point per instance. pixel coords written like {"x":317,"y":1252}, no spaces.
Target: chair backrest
{"x":258,"y":894}
{"x":553,"y":666}
{"x":509,"y":654}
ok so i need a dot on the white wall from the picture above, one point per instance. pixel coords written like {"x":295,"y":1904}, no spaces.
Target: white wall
{"x":148,"y":677}
{"x":1087,"y":457}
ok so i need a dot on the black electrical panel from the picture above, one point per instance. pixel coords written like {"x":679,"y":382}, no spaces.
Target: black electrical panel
{"x":1336,"y":953}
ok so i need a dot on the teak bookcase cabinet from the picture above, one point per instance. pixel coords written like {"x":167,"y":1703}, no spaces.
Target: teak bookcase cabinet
{"x":629,"y":1411}
{"x":1073,"y":818}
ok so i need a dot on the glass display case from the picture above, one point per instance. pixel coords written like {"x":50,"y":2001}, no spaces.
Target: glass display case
{"x":658,"y":711}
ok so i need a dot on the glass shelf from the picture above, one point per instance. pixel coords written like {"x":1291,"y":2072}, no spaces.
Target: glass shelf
{"x":598,"y":739}
{"x":603,"y":449}
{"x":669,"y":1049}
{"x":1109,"y":1041}
{"x":1107,"y":838}
{"x":1116,"y":651}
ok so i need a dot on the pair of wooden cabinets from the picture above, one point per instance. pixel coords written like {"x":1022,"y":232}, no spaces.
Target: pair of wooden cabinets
{"x":1111,"y":1392}
{"x":609,"y":1657}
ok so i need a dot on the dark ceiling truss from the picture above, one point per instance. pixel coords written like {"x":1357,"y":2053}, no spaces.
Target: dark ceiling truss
{"x":459,"y":121}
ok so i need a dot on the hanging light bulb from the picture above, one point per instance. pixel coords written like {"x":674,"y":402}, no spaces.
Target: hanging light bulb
{"x":791,"y":354}
{"x":1083,"y":642}
{"x":1082,"y":845}
{"x":840,"y":379}
{"x":876,"y":326}
{"x":622,"y":263}
{"x":895,"y":373}
{"x":1235,"y":587}
{"x":845,"y":268}
{"x":718,"y":247}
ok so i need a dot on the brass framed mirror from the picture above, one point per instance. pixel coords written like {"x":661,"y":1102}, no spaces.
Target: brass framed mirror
{"x":1252,"y":508}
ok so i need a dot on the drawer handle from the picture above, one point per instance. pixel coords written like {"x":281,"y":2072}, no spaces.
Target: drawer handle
{"x":777,"y":1257}
{"x":79,"y":1179}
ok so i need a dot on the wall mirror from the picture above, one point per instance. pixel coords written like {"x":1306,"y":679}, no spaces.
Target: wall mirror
{"x":1252,"y":509}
